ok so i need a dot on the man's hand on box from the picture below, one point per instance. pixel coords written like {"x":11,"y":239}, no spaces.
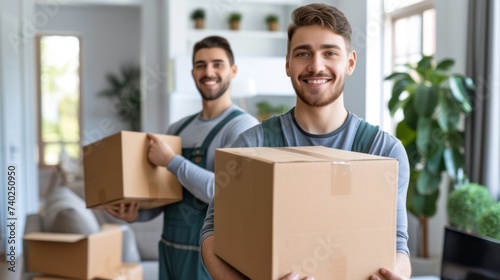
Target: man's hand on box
{"x":388,"y":275}
{"x":402,"y":271}
{"x":160,"y":153}
{"x":126,"y":211}
{"x":295,"y":276}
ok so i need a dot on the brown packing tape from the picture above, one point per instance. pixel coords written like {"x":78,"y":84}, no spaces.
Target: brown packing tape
{"x":311,"y":154}
{"x":341,"y":178}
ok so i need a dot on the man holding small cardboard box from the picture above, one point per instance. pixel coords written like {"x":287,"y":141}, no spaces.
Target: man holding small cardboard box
{"x":216,"y":126}
{"x":319,"y":58}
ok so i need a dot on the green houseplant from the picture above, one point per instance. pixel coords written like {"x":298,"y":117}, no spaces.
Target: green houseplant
{"x":272,"y":21}
{"x":198,"y":15}
{"x":125,"y":90}
{"x":234,"y":20}
{"x":433,"y":103}
{"x":489,"y":222}
{"x":466,"y":204}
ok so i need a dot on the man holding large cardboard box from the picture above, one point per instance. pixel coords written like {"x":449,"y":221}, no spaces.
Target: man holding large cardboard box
{"x":216,"y":126}
{"x":319,"y":58}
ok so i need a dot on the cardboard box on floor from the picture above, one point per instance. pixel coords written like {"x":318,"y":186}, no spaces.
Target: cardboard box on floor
{"x":127,"y":271}
{"x":117,"y":169}
{"x":317,"y":211}
{"x":75,"y":255}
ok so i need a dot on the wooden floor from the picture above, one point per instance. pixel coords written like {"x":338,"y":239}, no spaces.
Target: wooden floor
{"x":5,"y":273}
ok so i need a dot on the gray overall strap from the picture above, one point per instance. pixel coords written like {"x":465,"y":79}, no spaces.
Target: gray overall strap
{"x":364,"y":137}
{"x":273,"y":135}
{"x":185,"y":123}
{"x":363,"y":140}
{"x":219,"y":126}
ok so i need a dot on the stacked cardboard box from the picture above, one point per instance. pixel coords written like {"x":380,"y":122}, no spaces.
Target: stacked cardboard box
{"x":116,"y":169}
{"x":313,"y":210}
{"x":78,"y":256}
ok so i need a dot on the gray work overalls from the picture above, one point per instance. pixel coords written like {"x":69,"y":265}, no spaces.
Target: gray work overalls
{"x":179,"y":248}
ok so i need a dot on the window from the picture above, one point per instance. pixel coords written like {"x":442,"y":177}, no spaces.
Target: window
{"x":58,"y":97}
{"x":411,"y":29}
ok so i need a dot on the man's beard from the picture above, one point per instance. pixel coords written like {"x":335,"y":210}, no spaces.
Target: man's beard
{"x":223,"y":88}
{"x":321,"y":101}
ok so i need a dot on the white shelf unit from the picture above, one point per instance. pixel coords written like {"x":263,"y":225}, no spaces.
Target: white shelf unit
{"x":259,"y":53}
{"x":253,"y":39}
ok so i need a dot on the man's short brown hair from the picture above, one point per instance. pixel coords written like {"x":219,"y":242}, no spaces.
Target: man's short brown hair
{"x":214,"y":42}
{"x":323,"y":15}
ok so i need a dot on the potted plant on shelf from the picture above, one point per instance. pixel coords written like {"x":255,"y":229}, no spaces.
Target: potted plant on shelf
{"x":433,"y":103}
{"x":272,"y":22}
{"x":234,"y":20}
{"x":198,"y":16}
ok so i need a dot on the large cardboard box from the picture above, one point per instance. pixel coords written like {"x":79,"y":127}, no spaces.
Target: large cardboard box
{"x":75,"y":255}
{"x":117,"y":169}
{"x":127,"y":271}
{"x":317,"y":211}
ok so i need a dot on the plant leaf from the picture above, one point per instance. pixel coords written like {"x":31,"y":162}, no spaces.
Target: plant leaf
{"x":414,"y":156}
{"x":434,"y":163}
{"x":449,"y":112}
{"x":114,"y":81}
{"x":424,"y":134}
{"x":398,"y":88}
{"x":460,"y":93}
{"x":398,"y":76}
{"x":419,"y":204}
{"x":425,"y":63}
{"x":423,"y":67}
{"x":425,"y":100}
{"x":445,"y":65}
{"x":411,"y":116}
{"x":469,"y":83}
{"x":428,"y":183}
{"x":453,"y":160}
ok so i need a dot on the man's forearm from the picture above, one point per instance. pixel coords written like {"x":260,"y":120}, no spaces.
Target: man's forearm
{"x":403,"y":265}
{"x":218,"y":269}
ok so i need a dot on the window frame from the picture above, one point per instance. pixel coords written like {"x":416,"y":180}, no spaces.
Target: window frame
{"x":389,"y":65}
{"x":405,"y":12}
{"x":41,"y":144}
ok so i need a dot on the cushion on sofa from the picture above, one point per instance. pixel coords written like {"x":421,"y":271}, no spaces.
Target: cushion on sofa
{"x":65,"y":212}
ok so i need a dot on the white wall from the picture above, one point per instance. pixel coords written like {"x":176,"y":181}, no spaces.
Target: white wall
{"x":17,"y":126}
{"x":111,"y":37}
{"x":154,"y":64}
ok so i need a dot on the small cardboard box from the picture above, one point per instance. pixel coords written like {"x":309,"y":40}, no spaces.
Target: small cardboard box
{"x":117,"y":169}
{"x":317,"y":211}
{"x":75,"y":255}
{"x":128,"y":271}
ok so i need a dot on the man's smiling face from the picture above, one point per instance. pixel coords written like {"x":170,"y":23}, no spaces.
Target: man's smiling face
{"x":318,"y":63}
{"x":212,"y":72}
